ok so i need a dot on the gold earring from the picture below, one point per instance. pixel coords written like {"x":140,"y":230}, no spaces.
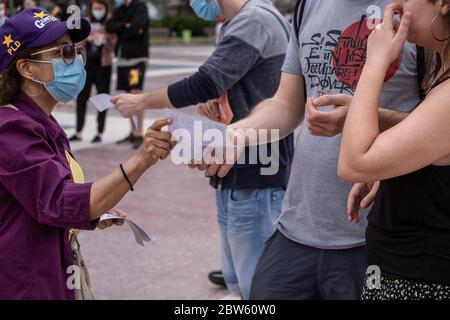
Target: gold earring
{"x":30,"y":94}
{"x":432,"y":30}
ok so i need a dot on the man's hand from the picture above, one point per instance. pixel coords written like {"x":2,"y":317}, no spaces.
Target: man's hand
{"x":129,"y":105}
{"x":327,"y":123}
{"x":220,"y":161}
{"x":362,"y":195}
{"x":210,"y":109}
{"x":109,"y":223}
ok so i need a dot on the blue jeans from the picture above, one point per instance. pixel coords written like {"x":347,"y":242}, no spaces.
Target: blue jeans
{"x":246,"y":220}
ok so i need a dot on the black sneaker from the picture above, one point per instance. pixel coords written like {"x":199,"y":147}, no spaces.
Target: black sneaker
{"x":74,"y":138}
{"x":129,"y":139}
{"x":216,"y":277}
{"x":97,"y":139}
{"x":137,"y":142}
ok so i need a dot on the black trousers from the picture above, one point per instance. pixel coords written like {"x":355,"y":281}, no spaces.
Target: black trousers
{"x":288,"y":270}
{"x":101,"y":78}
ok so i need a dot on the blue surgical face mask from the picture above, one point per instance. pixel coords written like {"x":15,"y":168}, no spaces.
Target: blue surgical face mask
{"x":206,"y":10}
{"x":99,"y":14}
{"x":69,"y":79}
{"x":119,"y":2}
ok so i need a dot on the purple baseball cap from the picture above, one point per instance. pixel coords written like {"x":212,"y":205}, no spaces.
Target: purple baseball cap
{"x":33,"y":28}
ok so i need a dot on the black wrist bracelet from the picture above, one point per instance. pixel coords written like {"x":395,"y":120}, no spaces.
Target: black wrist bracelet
{"x":126,"y":177}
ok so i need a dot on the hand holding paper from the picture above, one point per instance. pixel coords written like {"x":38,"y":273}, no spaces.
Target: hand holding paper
{"x":139,"y":234}
{"x":103,"y":102}
{"x":129,"y":104}
{"x":118,"y":214}
{"x":202,"y":142}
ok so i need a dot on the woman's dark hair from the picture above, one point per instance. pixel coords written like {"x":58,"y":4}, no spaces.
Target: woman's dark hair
{"x":91,"y":3}
{"x":434,"y":60}
{"x":10,"y":79}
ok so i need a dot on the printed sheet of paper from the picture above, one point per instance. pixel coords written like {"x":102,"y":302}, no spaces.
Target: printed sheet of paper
{"x":139,"y":234}
{"x":103,"y":102}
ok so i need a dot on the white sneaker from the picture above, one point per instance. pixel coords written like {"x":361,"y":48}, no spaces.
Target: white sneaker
{"x":232,"y":296}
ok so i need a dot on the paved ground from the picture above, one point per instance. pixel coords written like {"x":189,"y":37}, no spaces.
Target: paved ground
{"x":174,"y":204}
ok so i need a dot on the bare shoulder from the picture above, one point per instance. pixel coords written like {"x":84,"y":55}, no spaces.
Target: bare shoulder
{"x":439,"y":98}
{"x":437,"y":103}
{"x":440,"y":93}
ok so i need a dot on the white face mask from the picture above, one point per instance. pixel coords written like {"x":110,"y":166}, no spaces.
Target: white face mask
{"x":2,"y":13}
{"x":99,"y":14}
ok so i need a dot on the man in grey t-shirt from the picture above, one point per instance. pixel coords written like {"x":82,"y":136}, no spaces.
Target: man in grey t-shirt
{"x":316,"y":253}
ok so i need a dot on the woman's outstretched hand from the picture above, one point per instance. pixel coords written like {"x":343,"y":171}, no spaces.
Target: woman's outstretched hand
{"x":108,"y":191}
{"x":157,"y":143}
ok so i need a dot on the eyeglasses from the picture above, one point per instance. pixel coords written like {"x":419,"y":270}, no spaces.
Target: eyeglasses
{"x":68,"y":53}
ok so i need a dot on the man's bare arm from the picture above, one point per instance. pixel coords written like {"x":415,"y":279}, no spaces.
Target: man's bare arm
{"x":285,"y":111}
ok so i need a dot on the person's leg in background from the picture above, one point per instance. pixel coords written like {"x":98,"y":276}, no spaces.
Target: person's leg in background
{"x":137,"y":81}
{"x":229,"y":274}
{"x":131,"y":79}
{"x":82,"y":99}
{"x":103,"y":84}
{"x":342,"y":273}
{"x":138,"y":129}
{"x":252,"y":214}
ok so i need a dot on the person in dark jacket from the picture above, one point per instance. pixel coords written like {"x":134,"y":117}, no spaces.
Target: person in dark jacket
{"x":60,"y":10}
{"x":99,"y":48}
{"x":130,"y":22}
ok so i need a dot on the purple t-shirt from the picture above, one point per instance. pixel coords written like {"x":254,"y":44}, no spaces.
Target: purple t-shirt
{"x":39,"y":203}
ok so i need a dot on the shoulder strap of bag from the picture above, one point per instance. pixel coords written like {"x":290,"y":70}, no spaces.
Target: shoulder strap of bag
{"x":421,"y":68}
{"x":297,"y":21}
{"x":298,"y":17}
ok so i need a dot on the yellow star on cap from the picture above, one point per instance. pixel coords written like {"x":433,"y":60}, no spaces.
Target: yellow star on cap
{"x":40,"y":15}
{"x":8,"y":40}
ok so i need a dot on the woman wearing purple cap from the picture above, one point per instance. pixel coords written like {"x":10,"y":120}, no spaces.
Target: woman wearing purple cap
{"x":43,"y":196}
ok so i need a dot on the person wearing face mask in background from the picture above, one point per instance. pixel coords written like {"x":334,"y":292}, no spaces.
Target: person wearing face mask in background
{"x":3,"y":15}
{"x":42,"y":189}
{"x":99,"y":48}
{"x":60,"y":10}
{"x":246,"y":69}
{"x":130,"y":22}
